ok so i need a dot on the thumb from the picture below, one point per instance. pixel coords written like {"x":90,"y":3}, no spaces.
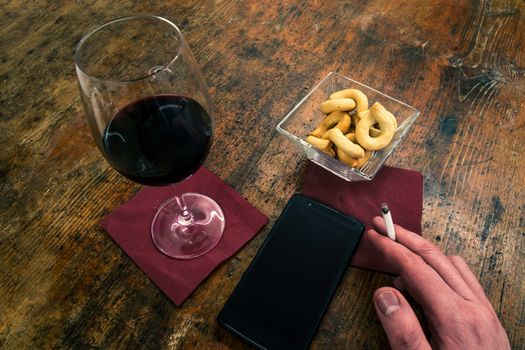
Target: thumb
{"x":399,"y":321}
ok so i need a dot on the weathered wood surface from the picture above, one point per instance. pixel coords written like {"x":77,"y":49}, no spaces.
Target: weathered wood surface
{"x":65,"y":284}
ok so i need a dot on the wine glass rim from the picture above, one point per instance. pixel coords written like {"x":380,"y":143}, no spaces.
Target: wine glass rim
{"x":86,"y":36}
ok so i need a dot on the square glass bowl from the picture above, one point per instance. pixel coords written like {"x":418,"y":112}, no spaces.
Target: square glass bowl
{"x":306,"y":115}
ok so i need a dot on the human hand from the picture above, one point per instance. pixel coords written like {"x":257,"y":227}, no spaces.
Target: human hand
{"x":457,"y":310}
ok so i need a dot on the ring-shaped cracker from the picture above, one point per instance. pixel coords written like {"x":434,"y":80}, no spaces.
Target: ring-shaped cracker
{"x":387,"y":125}
{"x":328,"y":122}
{"x":343,"y":125}
{"x":353,"y":162}
{"x":357,"y":95}
{"x":351,"y":149}
{"x":340,"y":104}
{"x":323,"y":145}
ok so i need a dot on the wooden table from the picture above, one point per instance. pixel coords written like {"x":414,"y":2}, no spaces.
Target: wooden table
{"x":65,"y":284}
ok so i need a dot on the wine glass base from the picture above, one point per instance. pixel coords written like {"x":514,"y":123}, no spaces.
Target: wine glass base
{"x":184,"y":237}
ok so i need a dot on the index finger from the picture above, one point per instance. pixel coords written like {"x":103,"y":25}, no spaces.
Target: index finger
{"x":424,"y":284}
{"x":432,"y":255}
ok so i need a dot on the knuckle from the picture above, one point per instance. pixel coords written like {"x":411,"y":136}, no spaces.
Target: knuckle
{"x":410,"y":263}
{"x":427,"y":248}
{"x":408,"y":338}
{"x":457,"y":259}
{"x":418,"y":260}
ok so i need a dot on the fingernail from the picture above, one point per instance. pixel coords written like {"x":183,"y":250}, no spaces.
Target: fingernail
{"x":387,"y":303}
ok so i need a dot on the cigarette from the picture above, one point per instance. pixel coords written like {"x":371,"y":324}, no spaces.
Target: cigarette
{"x":388,"y":221}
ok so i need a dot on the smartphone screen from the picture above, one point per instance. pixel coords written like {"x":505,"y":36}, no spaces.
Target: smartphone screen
{"x":281,"y":298}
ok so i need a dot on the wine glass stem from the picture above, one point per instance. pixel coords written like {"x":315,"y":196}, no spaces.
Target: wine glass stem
{"x":185,"y":218}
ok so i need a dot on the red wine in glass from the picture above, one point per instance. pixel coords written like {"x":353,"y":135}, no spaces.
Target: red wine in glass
{"x":150,"y":113}
{"x":158,"y":140}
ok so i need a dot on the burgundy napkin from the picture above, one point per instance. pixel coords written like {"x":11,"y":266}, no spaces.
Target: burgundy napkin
{"x":401,"y":189}
{"x":129,"y":226}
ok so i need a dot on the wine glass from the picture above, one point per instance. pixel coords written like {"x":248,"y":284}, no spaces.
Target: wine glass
{"x":151,"y":117}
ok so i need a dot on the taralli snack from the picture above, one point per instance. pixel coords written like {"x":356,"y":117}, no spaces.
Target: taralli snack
{"x":337,"y":119}
{"x":357,"y":95}
{"x":341,"y":104}
{"x":351,"y":149}
{"x":382,"y":109}
{"x":328,"y":122}
{"x":374,"y":132}
{"x":344,"y":123}
{"x":359,"y":162}
{"x":355,"y":119}
{"x":353,"y":162}
{"x":324,"y":145}
{"x":350,"y":130}
{"x":330,"y":152}
{"x":387,"y":126}
{"x":351,"y":137}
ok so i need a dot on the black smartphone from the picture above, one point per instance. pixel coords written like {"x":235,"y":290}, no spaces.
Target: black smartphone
{"x":282,"y":296}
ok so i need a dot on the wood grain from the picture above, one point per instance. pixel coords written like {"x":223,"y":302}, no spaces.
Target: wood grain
{"x":65,"y":284}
